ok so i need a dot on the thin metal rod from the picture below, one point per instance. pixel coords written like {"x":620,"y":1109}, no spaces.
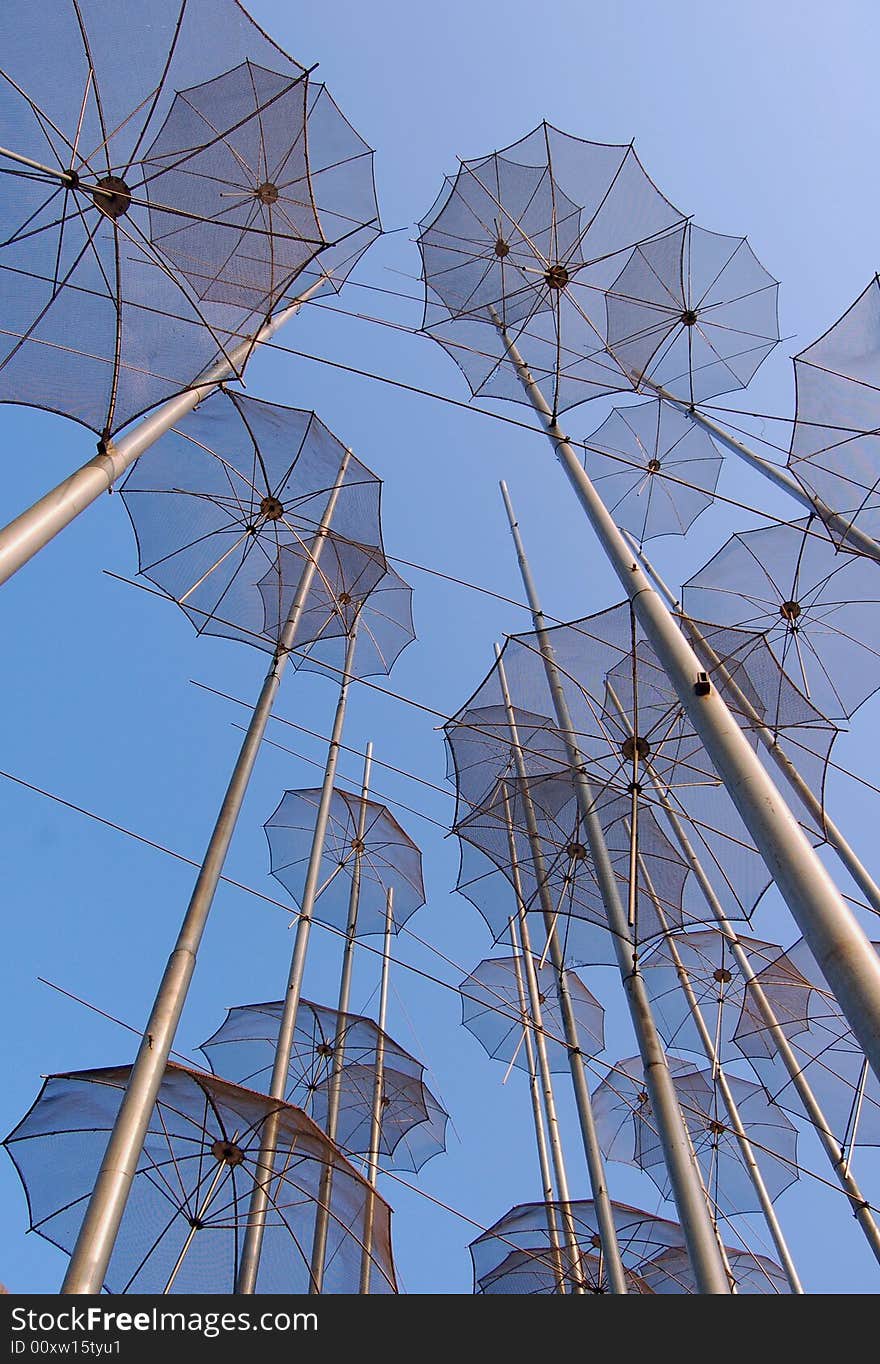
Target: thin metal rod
{"x":533,"y":1025}
{"x":835,"y":836}
{"x":378,"y":1101}
{"x":322,"y":1216}
{"x":854,"y":538}
{"x":196,"y":1223}
{"x":32,"y":529}
{"x":66,"y":177}
{"x":841,"y":948}
{"x":592,"y":1149}
{"x":711,"y":1052}
{"x":681,"y":1165}
{"x":256,"y":1217}
{"x":97,"y":1235}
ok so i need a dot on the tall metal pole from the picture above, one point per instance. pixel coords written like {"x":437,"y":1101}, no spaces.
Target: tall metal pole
{"x":32,"y":529}
{"x":256,"y":1217}
{"x":684,"y":1174}
{"x":97,"y":1235}
{"x":322,"y":1216}
{"x":840,"y":947}
{"x":378,"y":1100}
{"x":834,"y":835}
{"x":592,"y":1149}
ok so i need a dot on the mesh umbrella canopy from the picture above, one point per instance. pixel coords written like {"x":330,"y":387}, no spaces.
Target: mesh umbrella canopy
{"x":640,"y":1236}
{"x":671,"y":1272}
{"x":627,"y":1132}
{"x":830,"y":1059}
{"x":413,"y":1120}
{"x":533,"y":1272}
{"x":654,"y":440}
{"x":389,"y":859}
{"x":100,"y":323}
{"x":694,"y":312}
{"x":528,"y":238}
{"x":818,"y":609}
{"x":340,"y":599}
{"x":835,"y":440}
{"x":227,"y":491}
{"x":490,"y":1009}
{"x":182,"y":1229}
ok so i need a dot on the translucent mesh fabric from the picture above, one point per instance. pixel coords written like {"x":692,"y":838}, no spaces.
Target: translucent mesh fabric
{"x":479,"y":749}
{"x":491,"y":1010}
{"x":835,"y":441}
{"x":413,"y":1122}
{"x":819,"y":609}
{"x":227,"y":180}
{"x":348,"y":589}
{"x":694,"y":312}
{"x":541,"y":1272}
{"x":191,"y":1192}
{"x":829,"y":1058}
{"x":671,"y":1272}
{"x":641,"y":1236}
{"x":98,"y":323}
{"x":232,"y":486}
{"x":655,"y":440}
{"x":527,"y":239}
{"x":389,"y":860}
{"x":627,"y":1131}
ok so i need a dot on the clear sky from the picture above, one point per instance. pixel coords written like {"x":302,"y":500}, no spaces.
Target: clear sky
{"x":756,"y":118}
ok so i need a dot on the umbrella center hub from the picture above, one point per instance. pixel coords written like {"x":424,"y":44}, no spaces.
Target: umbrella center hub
{"x":596,"y":1241}
{"x":112,"y":196}
{"x":386,"y":1100}
{"x":358,"y":845}
{"x":324,"y":1049}
{"x":556,"y":277}
{"x":642,"y":1097}
{"x":653,"y":466}
{"x":271,"y":508}
{"x":635,"y":746}
{"x":689,"y":316}
{"x":716,"y":1127}
{"x":501,"y":248}
{"x":722,"y":975}
{"x":790,"y":610}
{"x":576,"y":851}
{"x":267,"y":193}
{"x":344,"y":599}
{"x":227,"y":1152}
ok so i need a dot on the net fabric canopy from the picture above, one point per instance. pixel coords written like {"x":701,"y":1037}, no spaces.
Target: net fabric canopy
{"x":490,"y":1009}
{"x":99,"y":324}
{"x":531,"y":1272}
{"x":627,"y":1132}
{"x":818,"y":609}
{"x":654,"y":440}
{"x":693,"y":312}
{"x":233,"y":486}
{"x":828,"y":1054}
{"x":527,"y":239}
{"x":835,"y":440}
{"x":525,"y":1231}
{"x":671,"y":1272}
{"x":413,"y":1120}
{"x":340,"y":600}
{"x":387,"y":856}
{"x":182,"y":1228}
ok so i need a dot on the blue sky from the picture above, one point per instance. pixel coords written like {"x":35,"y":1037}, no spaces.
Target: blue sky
{"x":755,"y":118}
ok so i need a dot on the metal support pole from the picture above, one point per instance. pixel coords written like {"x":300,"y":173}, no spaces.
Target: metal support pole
{"x":684,"y":1174}
{"x":256,"y":1217}
{"x":32,"y":529}
{"x":533,"y":1026}
{"x":836,"y":839}
{"x":839,"y":945}
{"x":378,"y":1098}
{"x":592,"y":1149}
{"x":322,"y":1219}
{"x":97,"y":1235}
{"x":711,"y":1053}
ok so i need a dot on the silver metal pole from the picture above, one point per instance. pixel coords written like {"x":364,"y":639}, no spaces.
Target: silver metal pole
{"x":322,"y":1218}
{"x":833,"y":934}
{"x":835,"y":836}
{"x":592,"y":1149}
{"x":97,"y":1235}
{"x":684,"y":1174}
{"x":378,"y":1100}
{"x":708,"y":1044}
{"x":32,"y":529}
{"x":256,"y":1217}
{"x":854,"y":538}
